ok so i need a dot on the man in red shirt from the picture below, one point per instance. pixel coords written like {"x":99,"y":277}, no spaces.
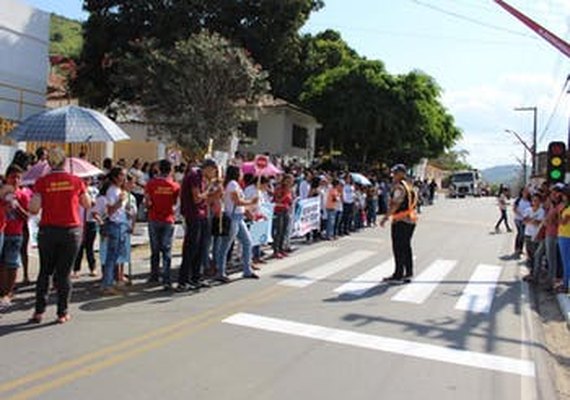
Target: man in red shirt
{"x":161,"y":195}
{"x":16,"y":212}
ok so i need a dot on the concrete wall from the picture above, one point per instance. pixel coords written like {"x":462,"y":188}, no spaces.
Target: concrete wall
{"x":24,"y":63}
{"x":275,"y":133}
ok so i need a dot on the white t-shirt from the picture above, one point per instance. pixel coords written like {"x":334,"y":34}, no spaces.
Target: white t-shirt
{"x":520,"y":209}
{"x":249,"y":193}
{"x":229,"y":206}
{"x":100,"y":207}
{"x":93,"y":193}
{"x":112,"y":197}
{"x":304,"y":190}
{"x":348,"y":194}
{"x":532,"y":229}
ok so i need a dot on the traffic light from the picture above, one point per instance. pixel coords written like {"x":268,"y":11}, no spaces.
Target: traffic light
{"x":556,"y":162}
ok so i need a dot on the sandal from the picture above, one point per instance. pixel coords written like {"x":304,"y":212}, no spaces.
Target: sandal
{"x":36,"y":318}
{"x":63,"y":319}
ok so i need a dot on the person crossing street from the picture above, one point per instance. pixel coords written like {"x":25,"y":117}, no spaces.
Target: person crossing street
{"x":402,"y":211}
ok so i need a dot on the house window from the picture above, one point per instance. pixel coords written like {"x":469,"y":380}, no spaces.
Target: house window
{"x":300,"y":137}
{"x":249,"y":129}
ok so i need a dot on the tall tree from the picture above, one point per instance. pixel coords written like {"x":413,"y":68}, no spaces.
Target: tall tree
{"x":371,"y":115}
{"x":268,"y":29}
{"x":190,"y":91}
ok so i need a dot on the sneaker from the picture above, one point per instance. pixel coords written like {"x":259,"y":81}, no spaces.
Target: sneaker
{"x":251,"y":276}
{"x":167,"y":287}
{"x":200,"y":285}
{"x":222,"y":279}
{"x":110,"y":291}
{"x":183,"y":287}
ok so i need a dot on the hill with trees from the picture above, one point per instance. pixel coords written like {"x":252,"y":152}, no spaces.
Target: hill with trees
{"x":66,"y":37}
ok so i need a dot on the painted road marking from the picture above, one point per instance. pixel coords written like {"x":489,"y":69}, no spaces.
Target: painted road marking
{"x":326,"y":270}
{"x":384,"y":344}
{"x":297,"y":259}
{"x":424,"y":284}
{"x":477,"y":296}
{"x":368,"y":280}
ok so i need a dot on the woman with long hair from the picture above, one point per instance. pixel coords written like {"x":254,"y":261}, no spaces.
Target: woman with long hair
{"x":234,"y":208}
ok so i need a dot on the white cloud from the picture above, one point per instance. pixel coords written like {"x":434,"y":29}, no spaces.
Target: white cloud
{"x":485,"y":111}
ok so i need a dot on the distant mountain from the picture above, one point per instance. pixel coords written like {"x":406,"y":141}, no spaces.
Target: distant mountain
{"x":506,"y":174}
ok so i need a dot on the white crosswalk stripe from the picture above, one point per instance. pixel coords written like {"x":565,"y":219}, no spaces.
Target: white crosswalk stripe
{"x":424,"y":284}
{"x":326,"y":270}
{"x":368,"y":280}
{"x":478,"y":295}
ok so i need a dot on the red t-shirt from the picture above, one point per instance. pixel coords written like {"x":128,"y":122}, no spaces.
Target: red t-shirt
{"x":15,"y":220}
{"x":163,"y":194}
{"x":283,"y":200}
{"x":60,"y":193}
{"x":3,"y":206}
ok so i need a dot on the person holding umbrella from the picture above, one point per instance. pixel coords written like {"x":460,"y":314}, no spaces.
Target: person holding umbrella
{"x":58,"y":194}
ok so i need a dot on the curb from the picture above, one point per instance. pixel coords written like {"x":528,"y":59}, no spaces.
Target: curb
{"x":564,"y":303}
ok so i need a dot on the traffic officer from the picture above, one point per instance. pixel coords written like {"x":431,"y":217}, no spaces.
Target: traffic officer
{"x":402,"y":211}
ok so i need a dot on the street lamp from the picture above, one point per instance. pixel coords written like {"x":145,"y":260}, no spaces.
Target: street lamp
{"x":533,"y":154}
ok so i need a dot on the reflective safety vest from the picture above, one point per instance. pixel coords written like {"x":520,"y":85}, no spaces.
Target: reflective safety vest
{"x":408,"y":207}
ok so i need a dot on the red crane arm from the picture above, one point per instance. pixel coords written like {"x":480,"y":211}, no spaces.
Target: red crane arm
{"x":550,"y":37}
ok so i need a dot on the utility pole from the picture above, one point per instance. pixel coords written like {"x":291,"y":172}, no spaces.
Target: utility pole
{"x":533,"y":152}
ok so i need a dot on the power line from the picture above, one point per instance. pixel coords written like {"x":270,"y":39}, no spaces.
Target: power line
{"x":473,"y":20}
{"x":421,"y":35}
{"x":555,"y":110}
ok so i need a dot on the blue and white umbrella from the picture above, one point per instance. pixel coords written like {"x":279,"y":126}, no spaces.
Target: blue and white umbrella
{"x":360,"y":179}
{"x":70,"y":124}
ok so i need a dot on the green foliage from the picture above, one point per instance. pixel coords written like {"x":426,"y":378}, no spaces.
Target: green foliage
{"x":370,"y":115}
{"x":65,"y":37}
{"x":190,"y":91}
{"x":453,"y":160}
{"x":267,"y":29}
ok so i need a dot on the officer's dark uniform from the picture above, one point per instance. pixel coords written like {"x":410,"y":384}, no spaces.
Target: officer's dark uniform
{"x":403,"y":226}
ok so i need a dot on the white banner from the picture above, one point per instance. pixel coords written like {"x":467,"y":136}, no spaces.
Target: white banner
{"x":261,"y":230}
{"x":307,"y":216}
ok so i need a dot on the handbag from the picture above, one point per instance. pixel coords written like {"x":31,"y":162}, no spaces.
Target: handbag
{"x":222,"y":224}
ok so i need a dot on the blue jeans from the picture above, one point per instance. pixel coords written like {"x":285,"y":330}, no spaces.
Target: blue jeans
{"x":160,"y":235}
{"x":115,"y":236}
{"x":331,"y":219}
{"x":519,"y":240}
{"x":238,"y":229}
{"x":564,"y":244}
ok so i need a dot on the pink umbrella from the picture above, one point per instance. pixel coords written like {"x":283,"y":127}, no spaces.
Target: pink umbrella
{"x":76,"y":166}
{"x":269,"y":170}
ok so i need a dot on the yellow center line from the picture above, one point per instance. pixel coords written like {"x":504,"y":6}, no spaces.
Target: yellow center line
{"x":129,"y":343}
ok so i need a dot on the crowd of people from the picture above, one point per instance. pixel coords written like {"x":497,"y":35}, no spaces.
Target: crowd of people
{"x":216,"y":211}
{"x":542,"y":224}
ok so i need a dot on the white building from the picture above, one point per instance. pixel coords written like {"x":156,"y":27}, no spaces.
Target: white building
{"x":280,"y":128}
{"x":24,"y":66}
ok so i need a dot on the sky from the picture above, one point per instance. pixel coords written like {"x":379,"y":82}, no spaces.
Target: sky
{"x":486,"y":62}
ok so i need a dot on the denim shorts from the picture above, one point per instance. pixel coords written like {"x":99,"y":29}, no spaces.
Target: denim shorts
{"x":11,"y":251}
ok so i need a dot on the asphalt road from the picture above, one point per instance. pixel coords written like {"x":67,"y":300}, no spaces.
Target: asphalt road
{"x":318,"y":325}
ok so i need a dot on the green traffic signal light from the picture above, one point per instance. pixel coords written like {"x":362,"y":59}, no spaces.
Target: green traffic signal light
{"x":556,"y":174}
